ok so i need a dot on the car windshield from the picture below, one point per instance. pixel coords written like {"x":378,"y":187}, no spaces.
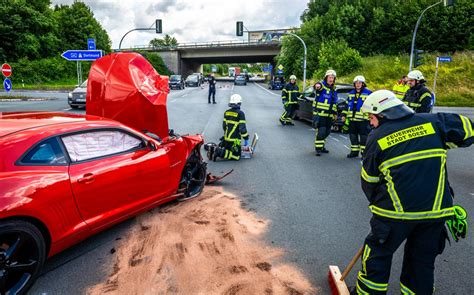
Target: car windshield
{"x":192,"y":78}
{"x":240,"y":77}
{"x":175,"y":78}
{"x":83,"y":84}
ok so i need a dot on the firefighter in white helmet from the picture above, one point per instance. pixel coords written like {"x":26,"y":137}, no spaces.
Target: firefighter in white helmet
{"x":405,"y":181}
{"x":419,"y":98}
{"x":235,"y":130}
{"x":324,"y":110}
{"x":358,"y":121}
{"x":289,"y":98}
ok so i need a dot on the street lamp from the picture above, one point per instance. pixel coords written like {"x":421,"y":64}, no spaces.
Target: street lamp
{"x":446,"y":3}
{"x":158,"y":28}
{"x":239,"y":32}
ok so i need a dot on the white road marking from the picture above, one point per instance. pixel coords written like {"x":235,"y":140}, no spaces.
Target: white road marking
{"x":346,"y":147}
{"x":266,"y":89}
{"x":68,"y":109}
{"x":472,"y":194}
{"x":334,"y":138}
{"x":341,"y":136}
{"x":184,"y":95}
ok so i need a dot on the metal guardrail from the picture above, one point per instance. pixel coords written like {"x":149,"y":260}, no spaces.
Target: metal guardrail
{"x":213,"y":44}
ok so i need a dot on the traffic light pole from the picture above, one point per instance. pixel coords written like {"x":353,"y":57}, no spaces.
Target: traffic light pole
{"x":157,"y":28}
{"x":416,"y":29}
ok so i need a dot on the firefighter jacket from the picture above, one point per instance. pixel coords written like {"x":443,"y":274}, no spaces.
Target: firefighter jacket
{"x":325,"y":102}
{"x":290,"y":94}
{"x":418,"y":98}
{"x":404,"y":167}
{"x":400,"y":89}
{"x":354,"y":103}
{"x":234,"y":125}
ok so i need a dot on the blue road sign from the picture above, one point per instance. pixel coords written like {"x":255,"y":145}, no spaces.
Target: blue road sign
{"x":82,"y":55}
{"x":91,"y":44}
{"x":445,"y":58}
{"x":270,"y":67}
{"x":213,"y":69}
{"x":280,"y":72}
{"x":7,"y":84}
{"x":266,"y":69}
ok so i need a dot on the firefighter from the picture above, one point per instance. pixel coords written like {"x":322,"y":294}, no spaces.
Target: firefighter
{"x":235,"y":130}
{"x":401,"y":87}
{"x":358,"y":121}
{"x":289,"y":97}
{"x":418,"y":97}
{"x":324,"y":110}
{"x":405,"y":180}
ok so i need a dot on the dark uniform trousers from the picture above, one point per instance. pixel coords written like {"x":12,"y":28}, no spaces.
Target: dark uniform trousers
{"x":424,"y":241}
{"x":358,"y":132}
{"x":323,"y":129}
{"x":212,"y":92}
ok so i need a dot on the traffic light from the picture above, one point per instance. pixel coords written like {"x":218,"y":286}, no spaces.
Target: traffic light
{"x":158,"y":26}
{"x":448,"y":3}
{"x":239,"y":29}
{"x":418,"y":57}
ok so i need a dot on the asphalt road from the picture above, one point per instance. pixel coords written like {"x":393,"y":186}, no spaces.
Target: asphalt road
{"x":317,"y":210}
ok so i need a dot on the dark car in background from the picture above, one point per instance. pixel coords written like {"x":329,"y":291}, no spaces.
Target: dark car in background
{"x":305,"y":104}
{"x":77,"y":97}
{"x":176,"y":82}
{"x":240,"y":80}
{"x":192,"y":81}
{"x":277,"y":83}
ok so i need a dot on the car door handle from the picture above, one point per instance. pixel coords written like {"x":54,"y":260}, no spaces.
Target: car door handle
{"x":86,"y":178}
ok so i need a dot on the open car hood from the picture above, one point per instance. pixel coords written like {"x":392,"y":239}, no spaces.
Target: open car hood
{"x":125,"y":87}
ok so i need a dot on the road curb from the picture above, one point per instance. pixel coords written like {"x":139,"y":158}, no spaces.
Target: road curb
{"x":25,"y":99}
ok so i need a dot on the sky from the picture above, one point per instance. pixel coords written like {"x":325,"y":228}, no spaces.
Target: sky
{"x":191,"y":20}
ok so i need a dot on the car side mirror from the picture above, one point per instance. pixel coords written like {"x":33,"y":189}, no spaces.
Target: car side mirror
{"x":151,"y":145}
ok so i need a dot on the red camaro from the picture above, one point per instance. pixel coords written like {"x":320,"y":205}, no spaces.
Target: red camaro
{"x":65,"y":177}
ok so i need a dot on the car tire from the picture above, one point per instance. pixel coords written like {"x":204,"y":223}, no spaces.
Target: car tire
{"x":193,"y":177}
{"x":74,"y":107}
{"x":23,"y":251}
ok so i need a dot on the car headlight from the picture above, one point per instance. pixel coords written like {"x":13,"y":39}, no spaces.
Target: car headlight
{"x":69,"y":95}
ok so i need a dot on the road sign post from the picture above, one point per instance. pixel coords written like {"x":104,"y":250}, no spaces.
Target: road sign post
{"x":438,"y":60}
{"x":7,"y":85}
{"x":91,"y":44}
{"x":6,"y":70}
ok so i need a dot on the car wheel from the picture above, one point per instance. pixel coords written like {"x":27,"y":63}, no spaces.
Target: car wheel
{"x":193,"y":177}
{"x":22,"y":255}
{"x":74,"y":107}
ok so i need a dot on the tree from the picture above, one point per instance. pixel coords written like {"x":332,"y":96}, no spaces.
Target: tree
{"x":167,"y":41}
{"x":77,"y":25}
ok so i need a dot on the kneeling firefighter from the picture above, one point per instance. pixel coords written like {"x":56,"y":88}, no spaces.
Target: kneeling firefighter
{"x":358,"y":121}
{"x":235,"y":130}
{"x":405,"y":181}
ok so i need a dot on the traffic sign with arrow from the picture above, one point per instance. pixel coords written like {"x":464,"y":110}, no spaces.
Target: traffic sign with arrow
{"x":7,"y":84}
{"x":82,"y":55}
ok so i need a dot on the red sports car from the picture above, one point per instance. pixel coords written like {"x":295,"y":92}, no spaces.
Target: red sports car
{"x":65,"y":177}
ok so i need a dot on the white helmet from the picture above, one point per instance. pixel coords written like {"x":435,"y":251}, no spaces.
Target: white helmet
{"x":359,"y":78}
{"x":292,"y":77}
{"x":330,"y":73}
{"x":235,"y":99}
{"x":415,"y":75}
{"x":386,"y":103}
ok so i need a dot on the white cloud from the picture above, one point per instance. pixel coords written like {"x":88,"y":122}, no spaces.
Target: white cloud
{"x":191,"y":20}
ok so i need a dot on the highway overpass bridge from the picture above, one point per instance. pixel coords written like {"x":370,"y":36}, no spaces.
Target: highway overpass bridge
{"x":188,"y":58}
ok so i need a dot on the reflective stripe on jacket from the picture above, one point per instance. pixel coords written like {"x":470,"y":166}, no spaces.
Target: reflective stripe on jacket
{"x":404,"y":167}
{"x":400,"y":89}
{"x":325,"y":102}
{"x":354,"y":103}
{"x":290,"y":93}
{"x":418,"y":98}
{"x":234,"y":125}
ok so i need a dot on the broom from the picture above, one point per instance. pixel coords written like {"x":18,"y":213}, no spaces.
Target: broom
{"x":336,"y":279}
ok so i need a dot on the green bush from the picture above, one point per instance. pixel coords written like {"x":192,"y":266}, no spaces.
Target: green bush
{"x":46,"y":70}
{"x":337,"y":55}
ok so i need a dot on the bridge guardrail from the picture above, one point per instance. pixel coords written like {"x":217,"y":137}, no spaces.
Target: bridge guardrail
{"x":190,"y":45}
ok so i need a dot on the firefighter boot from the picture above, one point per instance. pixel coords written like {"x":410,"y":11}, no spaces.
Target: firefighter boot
{"x":353,"y":154}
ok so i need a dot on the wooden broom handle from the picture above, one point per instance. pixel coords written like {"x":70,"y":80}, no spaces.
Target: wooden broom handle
{"x":351,"y":264}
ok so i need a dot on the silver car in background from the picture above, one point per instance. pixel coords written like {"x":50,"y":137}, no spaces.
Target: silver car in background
{"x":77,"y":98}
